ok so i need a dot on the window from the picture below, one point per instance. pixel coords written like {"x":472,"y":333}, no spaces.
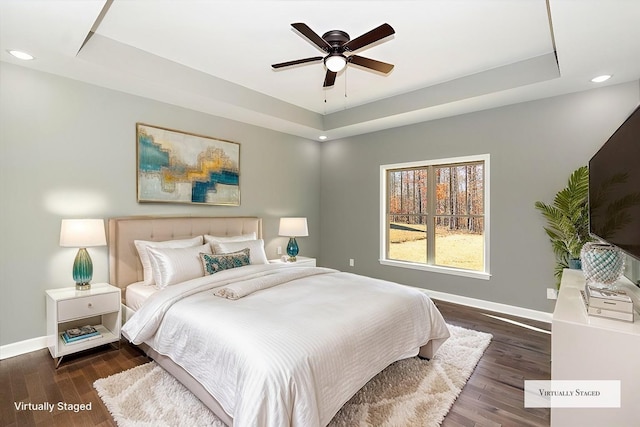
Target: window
{"x":435,"y":215}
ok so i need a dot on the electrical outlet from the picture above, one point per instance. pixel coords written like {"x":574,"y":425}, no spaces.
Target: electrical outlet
{"x":351,"y":262}
{"x":552,"y":293}
{"x":279,"y":250}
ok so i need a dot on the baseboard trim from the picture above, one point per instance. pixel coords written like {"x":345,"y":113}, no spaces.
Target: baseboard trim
{"x":22,"y":347}
{"x":512,"y":310}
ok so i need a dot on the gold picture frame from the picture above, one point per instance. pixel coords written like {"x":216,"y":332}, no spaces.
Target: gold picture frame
{"x":181,"y":167}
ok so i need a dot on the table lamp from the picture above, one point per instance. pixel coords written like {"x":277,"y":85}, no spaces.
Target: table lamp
{"x":82,"y":233}
{"x":292,"y":228}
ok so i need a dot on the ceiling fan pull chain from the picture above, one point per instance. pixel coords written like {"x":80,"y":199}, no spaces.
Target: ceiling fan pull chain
{"x":345,"y":89}
{"x":325,"y":102}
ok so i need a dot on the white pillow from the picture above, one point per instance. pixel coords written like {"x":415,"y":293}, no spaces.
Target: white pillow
{"x":175,"y":265}
{"x":143,"y":245}
{"x":226,"y":239}
{"x":257,"y":255}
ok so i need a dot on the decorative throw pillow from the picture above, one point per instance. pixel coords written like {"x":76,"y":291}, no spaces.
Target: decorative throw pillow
{"x":225,"y":239}
{"x":143,"y":245}
{"x":258,"y":256}
{"x":212,"y":263}
{"x":175,"y":265}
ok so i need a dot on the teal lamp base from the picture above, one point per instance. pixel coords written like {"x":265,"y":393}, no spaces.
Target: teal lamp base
{"x":292,"y":249}
{"x":82,"y":270}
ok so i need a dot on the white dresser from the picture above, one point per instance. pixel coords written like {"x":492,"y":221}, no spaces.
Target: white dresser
{"x":593,"y":348}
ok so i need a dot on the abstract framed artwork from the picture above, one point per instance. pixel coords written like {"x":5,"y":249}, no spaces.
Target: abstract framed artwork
{"x":181,"y":167}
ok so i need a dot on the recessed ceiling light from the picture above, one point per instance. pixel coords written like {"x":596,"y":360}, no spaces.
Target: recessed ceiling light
{"x":600,"y":79}
{"x":21,"y":55}
{"x":322,"y":137}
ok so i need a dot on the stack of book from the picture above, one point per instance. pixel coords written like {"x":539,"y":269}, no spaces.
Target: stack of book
{"x":80,"y":334}
{"x":609,"y":303}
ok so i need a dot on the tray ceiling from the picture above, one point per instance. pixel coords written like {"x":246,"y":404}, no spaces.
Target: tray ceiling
{"x":450,"y":56}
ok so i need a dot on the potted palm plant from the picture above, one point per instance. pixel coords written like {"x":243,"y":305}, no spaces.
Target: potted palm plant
{"x":568,"y":221}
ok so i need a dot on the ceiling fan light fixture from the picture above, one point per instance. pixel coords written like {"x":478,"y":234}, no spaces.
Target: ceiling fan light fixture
{"x":335,"y":62}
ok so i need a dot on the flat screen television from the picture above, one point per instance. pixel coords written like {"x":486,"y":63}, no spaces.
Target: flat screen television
{"x":614,"y":188}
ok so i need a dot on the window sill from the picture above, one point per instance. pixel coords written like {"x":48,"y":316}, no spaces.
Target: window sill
{"x":437,"y":269}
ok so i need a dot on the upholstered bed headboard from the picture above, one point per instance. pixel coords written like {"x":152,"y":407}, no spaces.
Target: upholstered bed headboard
{"x":124,"y":263}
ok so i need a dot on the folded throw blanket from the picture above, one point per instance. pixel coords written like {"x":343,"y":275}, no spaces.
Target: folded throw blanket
{"x":241,"y":289}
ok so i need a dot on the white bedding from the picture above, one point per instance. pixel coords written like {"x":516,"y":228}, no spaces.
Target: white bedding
{"x":293,"y":353}
{"x":137,"y":293}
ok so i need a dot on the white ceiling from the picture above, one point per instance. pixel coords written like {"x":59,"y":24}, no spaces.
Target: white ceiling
{"x":450,"y":56}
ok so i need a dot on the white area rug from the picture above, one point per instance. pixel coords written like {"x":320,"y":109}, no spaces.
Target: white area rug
{"x":410,"y":392}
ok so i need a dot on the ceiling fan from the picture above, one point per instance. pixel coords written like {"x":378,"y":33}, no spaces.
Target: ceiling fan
{"x":335,"y":44}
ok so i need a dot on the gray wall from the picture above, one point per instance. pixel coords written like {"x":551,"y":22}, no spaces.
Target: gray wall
{"x":534,"y":147}
{"x":67,"y":150}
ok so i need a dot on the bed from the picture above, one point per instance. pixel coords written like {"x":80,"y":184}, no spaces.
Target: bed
{"x":266,"y":344}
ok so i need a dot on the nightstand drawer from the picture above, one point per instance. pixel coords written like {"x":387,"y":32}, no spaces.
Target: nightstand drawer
{"x":88,"y":306}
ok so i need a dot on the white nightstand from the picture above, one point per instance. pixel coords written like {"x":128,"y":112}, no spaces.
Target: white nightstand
{"x":302,"y":261}
{"x":69,"y":308}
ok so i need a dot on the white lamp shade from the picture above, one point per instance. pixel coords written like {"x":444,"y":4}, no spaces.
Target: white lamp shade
{"x":293,"y":227}
{"x":82,"y":233}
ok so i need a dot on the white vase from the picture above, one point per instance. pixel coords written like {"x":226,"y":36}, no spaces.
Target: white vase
{"x":602,"y":264}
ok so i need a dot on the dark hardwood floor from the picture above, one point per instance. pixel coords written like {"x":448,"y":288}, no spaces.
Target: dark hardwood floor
{"x":492,"y":397}
{"x":494,"y":394}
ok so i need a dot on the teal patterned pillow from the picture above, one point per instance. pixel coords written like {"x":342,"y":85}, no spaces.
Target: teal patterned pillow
{"x":218,"y":262}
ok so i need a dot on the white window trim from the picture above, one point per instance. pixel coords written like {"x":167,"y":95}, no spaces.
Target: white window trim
{"x":434,"y":268}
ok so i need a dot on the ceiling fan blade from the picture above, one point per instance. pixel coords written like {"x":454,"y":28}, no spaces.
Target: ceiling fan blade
{"x":296,"y":62}
{"x":383,"y":67}
{"x":312,"y":36}
{"x":329,"y":79}
{"x":378,"y":33}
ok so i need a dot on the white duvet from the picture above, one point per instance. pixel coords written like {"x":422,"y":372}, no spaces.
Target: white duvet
{"x":293,"y":350}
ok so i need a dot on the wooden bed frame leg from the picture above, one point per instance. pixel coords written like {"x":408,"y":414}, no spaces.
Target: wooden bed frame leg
{"x":426,"y":351}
